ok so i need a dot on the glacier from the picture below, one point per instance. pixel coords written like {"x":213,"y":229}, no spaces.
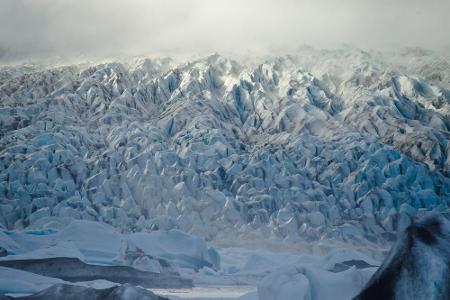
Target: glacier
{"x":304,"y":153}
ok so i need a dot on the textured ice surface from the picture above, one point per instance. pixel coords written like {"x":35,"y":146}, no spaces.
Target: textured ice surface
{"x":282,"y":276}
{"x":307,"y":283}
{"x":97,"y":243}
{"x":319,"y":145}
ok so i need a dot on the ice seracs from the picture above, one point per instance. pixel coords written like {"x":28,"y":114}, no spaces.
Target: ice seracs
{"x":340,"y":145}
{"x":73,"y":292}
{"x":417,"y":266}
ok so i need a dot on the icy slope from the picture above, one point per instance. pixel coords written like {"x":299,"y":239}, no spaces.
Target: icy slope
{"x":343,"y":145}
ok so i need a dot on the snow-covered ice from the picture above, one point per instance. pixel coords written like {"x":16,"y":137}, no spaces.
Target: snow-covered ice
{"x":97,"y":243}
{"x":226,"y":170}
{"x":240,"y":273}
{"x":17,"y":282}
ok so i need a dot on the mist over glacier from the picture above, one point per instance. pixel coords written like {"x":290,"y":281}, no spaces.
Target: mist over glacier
{"x":99,"y":28}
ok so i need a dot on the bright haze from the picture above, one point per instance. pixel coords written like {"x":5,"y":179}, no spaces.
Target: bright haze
{"x":54,"y":28}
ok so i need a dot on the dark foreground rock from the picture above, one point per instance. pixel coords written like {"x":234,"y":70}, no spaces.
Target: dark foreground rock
{"x":345,"y":265}
{"x":73,"y":292}
{"x":74,"y":270}
{"x":417,"y":266}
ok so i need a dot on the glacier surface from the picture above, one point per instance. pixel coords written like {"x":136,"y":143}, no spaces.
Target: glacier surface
{"x":344,"y":145}
{"x":306,"y":152}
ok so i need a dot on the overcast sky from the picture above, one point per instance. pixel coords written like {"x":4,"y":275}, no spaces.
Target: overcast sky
{"x":44,"y":28}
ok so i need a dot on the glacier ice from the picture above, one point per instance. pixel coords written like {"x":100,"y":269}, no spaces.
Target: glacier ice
{"x":314,"y":145}
{"x":314,"y":277}
{"x":307,"y":151}
{"x":96,"y":243}
{"x":305,"y":283}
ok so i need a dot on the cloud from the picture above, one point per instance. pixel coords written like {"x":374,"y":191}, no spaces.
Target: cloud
{"x":45,"y":28}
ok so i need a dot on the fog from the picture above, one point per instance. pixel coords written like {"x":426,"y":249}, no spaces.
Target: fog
{"x":64,"y":28}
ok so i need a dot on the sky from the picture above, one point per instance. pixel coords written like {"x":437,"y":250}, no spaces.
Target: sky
{"x":63,"y":28}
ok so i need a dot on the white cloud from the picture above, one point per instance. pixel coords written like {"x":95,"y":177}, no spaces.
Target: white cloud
{"x":100,"y":27}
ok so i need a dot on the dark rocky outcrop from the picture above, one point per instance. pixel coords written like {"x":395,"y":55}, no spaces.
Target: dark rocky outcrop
{"x":417,"y":266}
